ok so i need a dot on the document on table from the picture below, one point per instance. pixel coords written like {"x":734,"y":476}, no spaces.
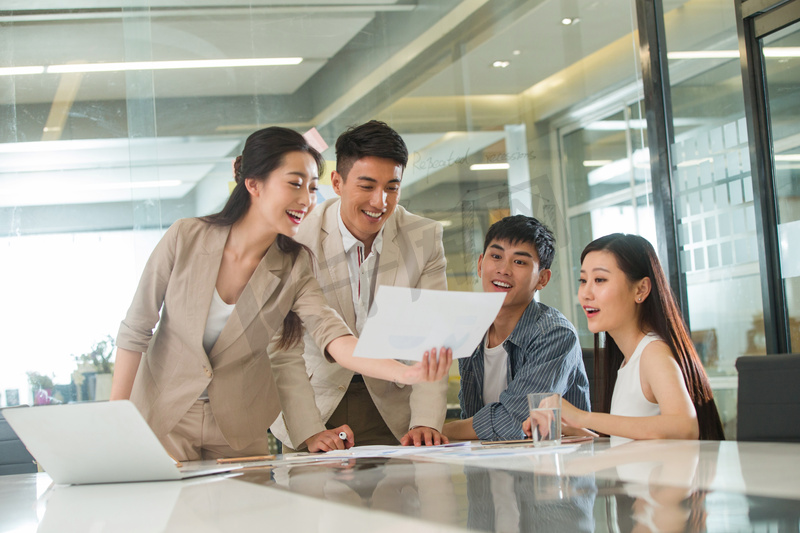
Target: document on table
{"x":403,"y":322}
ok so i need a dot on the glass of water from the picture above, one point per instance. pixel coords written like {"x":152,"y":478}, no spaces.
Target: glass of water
{"x":545,"y":409}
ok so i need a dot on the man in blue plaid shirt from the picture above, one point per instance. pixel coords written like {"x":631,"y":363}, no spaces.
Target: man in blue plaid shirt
{"x":530,"y":347}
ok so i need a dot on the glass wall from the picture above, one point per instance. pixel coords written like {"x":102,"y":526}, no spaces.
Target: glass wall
{"x":782,"y":72}
{"x":118,"y":119}
{"x":713,"y":192}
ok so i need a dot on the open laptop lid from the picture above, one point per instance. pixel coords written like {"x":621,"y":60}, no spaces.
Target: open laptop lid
{"x":96,"y":442}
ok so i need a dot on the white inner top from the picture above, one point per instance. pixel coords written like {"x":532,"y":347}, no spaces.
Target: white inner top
{"x":495,"y":375}
{"x":218,"y":315}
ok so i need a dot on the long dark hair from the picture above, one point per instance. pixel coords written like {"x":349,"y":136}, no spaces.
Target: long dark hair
{"x":264,"y":151}
{"x":660,"y":314}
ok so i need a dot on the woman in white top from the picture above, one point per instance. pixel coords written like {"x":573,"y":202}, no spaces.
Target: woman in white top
{"x":652,"y":384}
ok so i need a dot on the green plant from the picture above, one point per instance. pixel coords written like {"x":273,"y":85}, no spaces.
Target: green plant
{"x":39,"y":381}
{"x":100,"y":356}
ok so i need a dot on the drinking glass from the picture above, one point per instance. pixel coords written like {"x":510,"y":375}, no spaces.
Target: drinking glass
{"x":545,"y":410}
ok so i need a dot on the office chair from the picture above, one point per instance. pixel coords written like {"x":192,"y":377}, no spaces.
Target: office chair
{"x":769,"y":398}
{"x":14,"y":457}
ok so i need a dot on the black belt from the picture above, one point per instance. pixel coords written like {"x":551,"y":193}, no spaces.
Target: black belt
{"x":357,"y":378}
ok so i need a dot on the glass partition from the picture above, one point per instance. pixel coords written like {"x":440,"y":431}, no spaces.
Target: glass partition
{"x":782,"y":72}
{"x":713,"y":192}
{"x":116,"y":119}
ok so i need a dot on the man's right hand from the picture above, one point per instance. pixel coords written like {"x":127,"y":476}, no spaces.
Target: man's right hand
{"x":329,"y":440}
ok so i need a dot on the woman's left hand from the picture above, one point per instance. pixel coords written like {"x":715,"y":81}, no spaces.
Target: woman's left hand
{"x":434,"y":366}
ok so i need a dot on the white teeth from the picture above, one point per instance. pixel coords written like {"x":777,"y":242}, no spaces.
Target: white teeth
{"x":373,"y":215}
{"x":502,"y":284}
{"x":591,"y":309}
{"x":296,"y":214}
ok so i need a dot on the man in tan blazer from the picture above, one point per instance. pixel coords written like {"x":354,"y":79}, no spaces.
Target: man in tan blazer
{"x":361,"y":241}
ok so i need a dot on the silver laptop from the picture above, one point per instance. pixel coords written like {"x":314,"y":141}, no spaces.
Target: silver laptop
{"x":98,"y":442}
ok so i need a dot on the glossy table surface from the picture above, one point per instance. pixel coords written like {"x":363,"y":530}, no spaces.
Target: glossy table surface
{"x":641,"y":486}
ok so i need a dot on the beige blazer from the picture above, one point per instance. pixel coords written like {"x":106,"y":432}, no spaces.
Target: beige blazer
{"x":412,"y":256}
{"x":179,"y":281}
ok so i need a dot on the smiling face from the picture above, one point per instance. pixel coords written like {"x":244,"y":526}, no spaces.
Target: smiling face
{"x":369,"y":195}
{"x":287,"y":195}
{"x":609,"y":299}
{"x":512,"y":269}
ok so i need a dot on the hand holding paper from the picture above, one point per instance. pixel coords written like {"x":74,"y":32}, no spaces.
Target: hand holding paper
{"x":404,"y":322}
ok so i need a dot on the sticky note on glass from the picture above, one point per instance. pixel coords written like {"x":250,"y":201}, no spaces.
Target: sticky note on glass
{"x":315,"y":140}
{"x":403,"y":323}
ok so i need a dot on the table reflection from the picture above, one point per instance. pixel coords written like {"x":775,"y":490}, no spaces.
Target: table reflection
{"x":419,"y":490}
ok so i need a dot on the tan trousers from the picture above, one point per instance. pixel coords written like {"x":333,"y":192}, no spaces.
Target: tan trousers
{"x":197,"y":436}
{"x":358,"y":411}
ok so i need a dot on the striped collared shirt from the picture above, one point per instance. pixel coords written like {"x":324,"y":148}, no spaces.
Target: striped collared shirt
{"x":544,"y":355}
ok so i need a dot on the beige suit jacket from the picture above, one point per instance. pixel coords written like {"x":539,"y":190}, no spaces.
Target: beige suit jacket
{"x":412,"y":256}
{"x":179,"y":281}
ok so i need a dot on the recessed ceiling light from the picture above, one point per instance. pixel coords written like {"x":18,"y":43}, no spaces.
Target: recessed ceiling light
{"x":517,"y":52}
{"x":501,"y":63}
{"x":569,"y":21}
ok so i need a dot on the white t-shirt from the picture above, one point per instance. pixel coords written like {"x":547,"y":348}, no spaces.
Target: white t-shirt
{"x":495,"y":375}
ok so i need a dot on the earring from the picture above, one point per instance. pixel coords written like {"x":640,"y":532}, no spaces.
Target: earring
{"x":639,"y":300}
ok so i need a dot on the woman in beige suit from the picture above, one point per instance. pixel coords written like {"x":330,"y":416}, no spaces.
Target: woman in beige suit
{"x":220,"y":287}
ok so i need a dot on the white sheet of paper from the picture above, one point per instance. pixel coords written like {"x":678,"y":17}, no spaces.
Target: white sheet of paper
{"x":403,"y":322}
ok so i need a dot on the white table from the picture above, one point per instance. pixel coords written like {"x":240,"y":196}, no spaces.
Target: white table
{"x":658,"y":485}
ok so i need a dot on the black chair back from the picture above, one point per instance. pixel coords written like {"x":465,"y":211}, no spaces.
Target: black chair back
{"x":769,"y":398}
{"x":14,"y":457}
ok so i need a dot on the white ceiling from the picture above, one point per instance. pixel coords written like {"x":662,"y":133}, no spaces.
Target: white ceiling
{"x":40,"y":32}
{"x":314,"y":36}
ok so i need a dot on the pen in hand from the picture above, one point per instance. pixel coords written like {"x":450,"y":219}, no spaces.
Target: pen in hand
{"x":343,"y":435}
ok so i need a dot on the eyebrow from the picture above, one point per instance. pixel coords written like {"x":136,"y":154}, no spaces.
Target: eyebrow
{"x":373,"y":180}
{"x":303,"y":175}
{"x":596,"y":268}
{"x":524,"y":254}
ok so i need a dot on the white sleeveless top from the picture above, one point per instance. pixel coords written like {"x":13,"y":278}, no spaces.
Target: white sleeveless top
{"x":628,"y":398}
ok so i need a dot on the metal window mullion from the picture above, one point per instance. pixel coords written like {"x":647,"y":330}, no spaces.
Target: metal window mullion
{"x":776,"y":323}
{"x":658,"y":112}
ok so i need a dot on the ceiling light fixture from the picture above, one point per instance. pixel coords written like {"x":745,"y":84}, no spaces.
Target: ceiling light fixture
{"x":123,"y":185}
{"x":20,"y":71}
{"x":704,"y":54}
{"x":170,"y":65}
{"x":501,"y":63}
{"x":570,"y":21}
{"x":774,"y":51}
{"x":597,"y":162}
{"x":517,"y":52}
{"x":489,"y":166}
